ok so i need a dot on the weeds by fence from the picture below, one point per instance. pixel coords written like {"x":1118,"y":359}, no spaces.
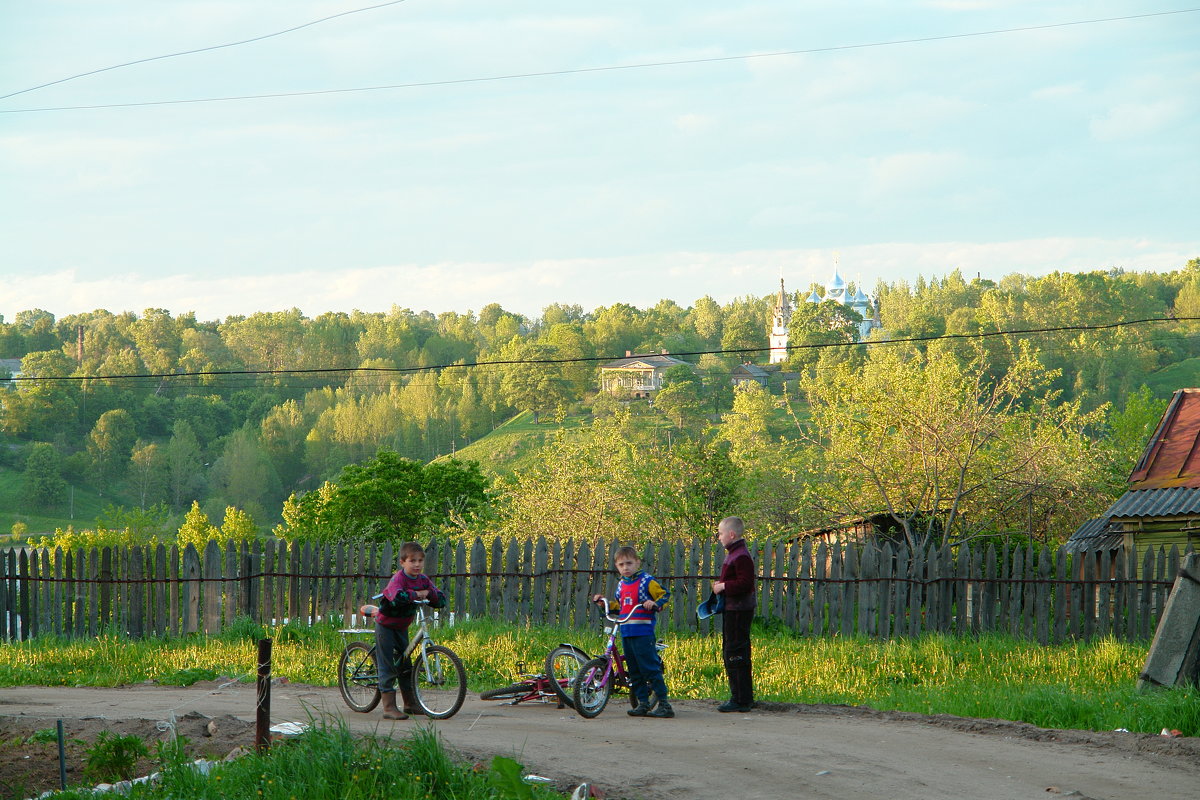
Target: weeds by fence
{"x":817,"y":590}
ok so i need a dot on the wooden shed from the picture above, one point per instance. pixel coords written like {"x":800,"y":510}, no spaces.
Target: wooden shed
{"x":1162,"y":506}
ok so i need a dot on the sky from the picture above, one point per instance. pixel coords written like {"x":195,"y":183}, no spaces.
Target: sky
{"x":529,"y":153}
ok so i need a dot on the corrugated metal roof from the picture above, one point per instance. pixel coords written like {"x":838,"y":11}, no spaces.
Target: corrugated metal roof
{"x":1179,"y":501}
{"x":1098,"y":533}
{"x":1172,"y":456}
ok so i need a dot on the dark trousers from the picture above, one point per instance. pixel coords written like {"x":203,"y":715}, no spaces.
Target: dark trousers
{"x":735,"y":649}
{"x":389,"y":649}
{"x":644,"y":668}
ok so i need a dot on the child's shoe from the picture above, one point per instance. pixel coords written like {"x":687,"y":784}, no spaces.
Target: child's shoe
{"x":641,"y":709}
{"x":662,"y":709}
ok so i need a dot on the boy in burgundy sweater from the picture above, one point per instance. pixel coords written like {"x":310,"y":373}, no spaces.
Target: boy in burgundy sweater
{"x":391,"y":632}
{"x":736,"y":583}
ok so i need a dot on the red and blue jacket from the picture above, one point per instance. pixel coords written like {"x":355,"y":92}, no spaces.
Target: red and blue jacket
{"x":632,"y":592}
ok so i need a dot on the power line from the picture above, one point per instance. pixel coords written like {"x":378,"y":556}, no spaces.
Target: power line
{"x":199,"y":49}
{"x":595,"y":359}
{"x":609,"y":68}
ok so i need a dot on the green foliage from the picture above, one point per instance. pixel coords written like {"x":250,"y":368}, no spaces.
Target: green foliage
{"x":388,"y":498}
{"x":950,"y":451}
{"x":197,"y":531}
{"x":616,"y":476}
{"x":44,"y":484}
{"x":44,"y":735}
{"x":114,"y":757}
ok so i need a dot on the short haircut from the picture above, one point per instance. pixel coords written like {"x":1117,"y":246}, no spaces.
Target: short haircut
{"x":410,"y":549}
{"x":626,"y":552}
{"x":733,"y":525}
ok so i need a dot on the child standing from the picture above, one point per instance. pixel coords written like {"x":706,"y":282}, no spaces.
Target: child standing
{"x":641,"y":593}
{"x":391,"y":630}
{"x":736,"y":584}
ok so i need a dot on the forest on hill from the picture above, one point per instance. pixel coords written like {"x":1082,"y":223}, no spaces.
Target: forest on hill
{"x":948,"y":419}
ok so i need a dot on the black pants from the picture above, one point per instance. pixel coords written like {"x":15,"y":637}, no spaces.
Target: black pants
{"x":735,"y":648}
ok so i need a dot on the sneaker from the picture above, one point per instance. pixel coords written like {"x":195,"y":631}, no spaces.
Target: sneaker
{"x":729,"y":705}
{"x":663,"y":710}
{"x":641,"y":710}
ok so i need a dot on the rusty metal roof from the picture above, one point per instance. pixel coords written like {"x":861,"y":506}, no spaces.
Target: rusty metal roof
{"x":1172,"y":456}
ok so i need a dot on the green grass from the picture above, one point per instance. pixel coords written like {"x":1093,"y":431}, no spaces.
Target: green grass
{"x":329,"y":762}
{"x":511,"y":446}
{"x":1081,"y":685}
{"x":14,"y":508}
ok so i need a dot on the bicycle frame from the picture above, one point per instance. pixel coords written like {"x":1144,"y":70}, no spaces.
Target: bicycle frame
{"x":419,"y":639}
{"x":612,"y":654}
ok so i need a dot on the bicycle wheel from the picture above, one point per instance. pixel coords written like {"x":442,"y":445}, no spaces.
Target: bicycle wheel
{"x":562,"y":665}
{"x":514,"y":692}
{"x":358,"y":677}
{"x":592,"y":687}
{"x":439,"y":682}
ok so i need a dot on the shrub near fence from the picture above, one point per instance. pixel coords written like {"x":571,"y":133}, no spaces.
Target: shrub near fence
{"x":819,"y":590}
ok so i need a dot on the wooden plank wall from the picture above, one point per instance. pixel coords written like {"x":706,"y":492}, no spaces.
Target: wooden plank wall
{"x":816,"y":589}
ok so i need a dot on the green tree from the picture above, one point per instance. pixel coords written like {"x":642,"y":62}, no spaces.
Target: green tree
{"x":528,"y":382}
{"x":44,"y":486}
{"x":388,"y":498}
{"x":243,"y":475}
{"x":109,"y":445}
{"x":949,"y":453}
{"x":815,"y":328}
{"x":196,"y":530}
{"x":148,"y":471}
{"x":185,"y":468}
{"x":681,"y":397}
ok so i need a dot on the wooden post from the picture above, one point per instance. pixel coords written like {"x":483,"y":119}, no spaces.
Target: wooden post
{"x":262,"y":728}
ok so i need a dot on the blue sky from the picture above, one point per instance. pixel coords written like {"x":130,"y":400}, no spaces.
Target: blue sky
{"x":1074,"y":148}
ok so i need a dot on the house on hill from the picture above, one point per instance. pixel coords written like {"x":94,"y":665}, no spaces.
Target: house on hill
{"x":638,"y":375}
{"x":1162,"y":505}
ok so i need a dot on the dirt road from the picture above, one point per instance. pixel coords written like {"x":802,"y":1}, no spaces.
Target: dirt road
{"x":776,"y":752}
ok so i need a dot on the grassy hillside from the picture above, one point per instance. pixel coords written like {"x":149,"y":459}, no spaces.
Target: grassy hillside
{"x":83,"y":511}
{"x":1180,"y":375}
{"x":511,"y":446}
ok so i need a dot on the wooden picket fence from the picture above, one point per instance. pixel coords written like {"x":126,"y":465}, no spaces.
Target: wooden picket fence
{"x":817,"y":590}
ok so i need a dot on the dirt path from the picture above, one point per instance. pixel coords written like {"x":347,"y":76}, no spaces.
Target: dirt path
{"x":777,"y":752}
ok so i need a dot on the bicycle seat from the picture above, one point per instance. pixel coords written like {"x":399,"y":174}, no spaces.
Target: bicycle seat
{"x":368,"y":610}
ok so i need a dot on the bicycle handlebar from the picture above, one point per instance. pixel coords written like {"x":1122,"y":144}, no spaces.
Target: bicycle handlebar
{"x":614,"y":619}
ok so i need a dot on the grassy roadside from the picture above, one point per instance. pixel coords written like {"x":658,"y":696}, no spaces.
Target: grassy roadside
{"x":1080,"y":685}
{"x":330,"y":762}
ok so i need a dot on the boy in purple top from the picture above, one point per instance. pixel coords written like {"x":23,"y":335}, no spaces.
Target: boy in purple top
{"x":391,"y":632}
{"x":736,"y":583}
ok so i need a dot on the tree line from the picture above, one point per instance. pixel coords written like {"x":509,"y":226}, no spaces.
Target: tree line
{"x":276,"y":404}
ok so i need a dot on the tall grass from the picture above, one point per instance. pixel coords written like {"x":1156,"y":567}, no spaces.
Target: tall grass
{"x":330,"y":762}
{"x":1083,"y":685}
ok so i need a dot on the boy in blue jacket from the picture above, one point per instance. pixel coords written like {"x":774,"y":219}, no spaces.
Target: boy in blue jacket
{"x":641,"y":593}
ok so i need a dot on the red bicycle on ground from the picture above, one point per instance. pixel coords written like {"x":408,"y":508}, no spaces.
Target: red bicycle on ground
{"x":562,"y":665}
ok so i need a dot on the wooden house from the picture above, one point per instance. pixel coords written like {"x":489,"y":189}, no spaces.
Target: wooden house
{"x":1162,"y":506}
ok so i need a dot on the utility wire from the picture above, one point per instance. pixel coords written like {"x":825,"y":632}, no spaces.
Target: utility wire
{"x":610,"y":68}
{"x":199,"y":49}
{"x":593,"y":359}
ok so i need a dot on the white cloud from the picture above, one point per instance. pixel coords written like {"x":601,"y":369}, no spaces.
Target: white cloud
{"x":640,"y":280}
{"x":1135,"y":120}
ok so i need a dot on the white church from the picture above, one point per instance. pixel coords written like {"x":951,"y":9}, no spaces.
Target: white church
{"x":835,"y":289}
